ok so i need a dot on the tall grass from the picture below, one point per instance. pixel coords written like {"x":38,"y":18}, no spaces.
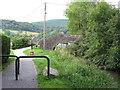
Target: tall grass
{"x":73,"y":73}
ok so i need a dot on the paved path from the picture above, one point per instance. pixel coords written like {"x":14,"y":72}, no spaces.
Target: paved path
{"x":27,"y":77}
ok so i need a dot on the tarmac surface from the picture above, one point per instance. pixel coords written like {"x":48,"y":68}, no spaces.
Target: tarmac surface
{"x":27,"y":76}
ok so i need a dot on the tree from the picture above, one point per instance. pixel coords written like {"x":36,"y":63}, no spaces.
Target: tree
{"x":77,"y":14}
{"x":102,"y":38}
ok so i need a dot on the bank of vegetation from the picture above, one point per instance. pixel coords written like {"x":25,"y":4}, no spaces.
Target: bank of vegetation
{"x":99,"y":24}
{"x":73,"y":72}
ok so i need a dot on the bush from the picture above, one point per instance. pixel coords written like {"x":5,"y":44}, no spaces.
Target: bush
{"x":79,"y":47}
{"x":100,"y":43}
{"x":5,"y":46}
{"x":20,"y":42}
{"x":104,"y":44}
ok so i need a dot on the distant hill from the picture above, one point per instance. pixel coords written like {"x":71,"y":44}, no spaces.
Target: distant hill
{"x":54,"y":26}
{"x":35,"y":26}
{"x":53,"y":23}
{"x":18,"y":26}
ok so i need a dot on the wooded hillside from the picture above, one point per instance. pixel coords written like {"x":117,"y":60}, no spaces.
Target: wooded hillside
{"x":54,"y":26}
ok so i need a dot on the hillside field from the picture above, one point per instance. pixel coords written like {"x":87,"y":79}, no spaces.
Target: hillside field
{"x":21,"y":33}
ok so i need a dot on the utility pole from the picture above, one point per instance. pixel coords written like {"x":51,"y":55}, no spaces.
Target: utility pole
{"x":44,"y":32}
{"x":119,"y":6}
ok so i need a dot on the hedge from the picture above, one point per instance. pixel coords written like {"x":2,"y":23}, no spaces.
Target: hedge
{"x":20,"y":42}
{"x":5,"y":46}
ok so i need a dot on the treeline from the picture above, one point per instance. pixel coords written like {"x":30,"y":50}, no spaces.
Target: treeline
{"x":99,"y":24}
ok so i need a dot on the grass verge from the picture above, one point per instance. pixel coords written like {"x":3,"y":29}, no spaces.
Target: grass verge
{"x":10,"y":60}
{"x":36,"y":52}
{"x":73,"y":72}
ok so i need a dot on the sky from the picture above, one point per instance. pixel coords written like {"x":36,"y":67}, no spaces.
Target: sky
{"x":33,"y":10}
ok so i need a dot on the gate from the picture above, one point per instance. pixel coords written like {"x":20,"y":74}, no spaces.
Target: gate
{"x":17,"y":63}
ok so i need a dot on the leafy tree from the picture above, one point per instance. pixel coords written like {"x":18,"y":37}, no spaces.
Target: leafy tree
{"x":77,"y":14}
{"x":101,"y":41}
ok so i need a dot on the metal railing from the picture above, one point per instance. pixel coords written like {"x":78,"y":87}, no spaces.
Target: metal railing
{"x":17,"y":63}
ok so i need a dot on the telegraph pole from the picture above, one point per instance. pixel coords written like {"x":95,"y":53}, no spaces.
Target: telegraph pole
{"x":44,"y":33}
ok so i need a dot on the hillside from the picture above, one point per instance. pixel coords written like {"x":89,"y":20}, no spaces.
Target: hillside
{"x":53,"y":23}
{"x":54,"y":26}
{"x":19,"y":26}
{"x":13,"y":33}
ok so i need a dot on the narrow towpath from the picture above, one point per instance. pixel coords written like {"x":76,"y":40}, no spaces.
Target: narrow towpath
{"x":27,"y":77}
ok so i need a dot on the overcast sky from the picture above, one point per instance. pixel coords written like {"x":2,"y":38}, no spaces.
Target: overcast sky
{"x":30,"y":10}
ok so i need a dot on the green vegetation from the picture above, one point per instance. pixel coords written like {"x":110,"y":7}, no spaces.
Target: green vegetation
{"x":99,"y":25}
{"x":20,"y":42}
{"x":73,"y":72}
{"x":53,"y":23}
{"x":13,"y":28}
{"x":13,"y":33}
{"x":19,"y":26}
{"x":77,"y":14}
{"x":5,"y":46}
{"x":10,"y":60}
{"x":36,"y":51}
{"x":54,"y":27}
{"x":21,"y":33}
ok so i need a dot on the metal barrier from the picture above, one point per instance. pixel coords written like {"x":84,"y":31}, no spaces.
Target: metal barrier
{"x":17,"y":63}
{"x":48,"y":71}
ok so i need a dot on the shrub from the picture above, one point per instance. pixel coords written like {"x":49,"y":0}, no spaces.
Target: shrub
{"x":104,"y":44}
{"x":5,"y":46}
{"x":79,"y":47}
{"x":20,"y":42}
{"x":100,"y":43}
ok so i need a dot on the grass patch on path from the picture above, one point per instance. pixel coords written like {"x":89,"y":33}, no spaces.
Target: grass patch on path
{"x":73,"y":72}
{"x":36,"y":52}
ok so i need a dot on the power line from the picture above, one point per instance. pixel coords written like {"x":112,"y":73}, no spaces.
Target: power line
{"x":57,"y":4}
{"x":40,"y":7}
{"x":32,"y":11}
